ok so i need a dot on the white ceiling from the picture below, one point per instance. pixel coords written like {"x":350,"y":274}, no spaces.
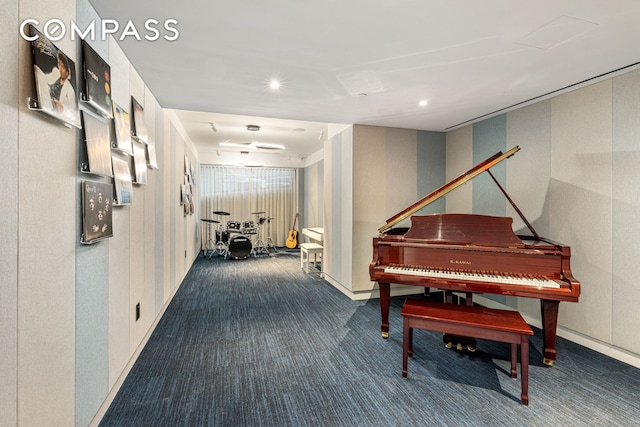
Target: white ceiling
{"x":368,"y":62}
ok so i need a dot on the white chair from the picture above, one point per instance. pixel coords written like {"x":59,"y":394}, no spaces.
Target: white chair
{"x":306,"y":250}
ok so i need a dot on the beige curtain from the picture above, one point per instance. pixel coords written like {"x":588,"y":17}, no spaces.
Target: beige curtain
{"x":242,"y":192}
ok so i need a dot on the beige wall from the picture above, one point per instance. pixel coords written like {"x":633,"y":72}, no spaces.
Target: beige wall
{"x":67,"y":310}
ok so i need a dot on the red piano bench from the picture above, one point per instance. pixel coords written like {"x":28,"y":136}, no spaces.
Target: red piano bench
{"x":470,"y":321}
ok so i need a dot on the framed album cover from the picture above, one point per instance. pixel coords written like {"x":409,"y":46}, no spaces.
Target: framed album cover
{"x":122,"y":125}
{"x":97,"y":138}
{"x":152,"y":160}
{"x":139,"y":126}
{"x":122,"y":180}
{"x":97,"y":81}
{"x":140,"y":162}
{"x":97,"y":222}
{"x":56,"y":82}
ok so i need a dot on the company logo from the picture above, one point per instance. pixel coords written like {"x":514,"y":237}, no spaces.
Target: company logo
{"x":56,"y":29}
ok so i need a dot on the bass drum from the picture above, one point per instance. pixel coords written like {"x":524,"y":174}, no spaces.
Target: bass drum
{"x":239,"y":247}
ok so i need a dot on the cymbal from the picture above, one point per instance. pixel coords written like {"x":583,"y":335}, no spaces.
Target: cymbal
{"x":257,"y":213}
{"x":210,"y":220}
{"x":221,"y":213}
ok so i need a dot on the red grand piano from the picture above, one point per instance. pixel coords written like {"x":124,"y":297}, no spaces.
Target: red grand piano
{"x":474,"y":254}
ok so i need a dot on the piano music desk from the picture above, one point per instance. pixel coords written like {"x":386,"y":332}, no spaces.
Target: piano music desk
{"x":472,"y":321}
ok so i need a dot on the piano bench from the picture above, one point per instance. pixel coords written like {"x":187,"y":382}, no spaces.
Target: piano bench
{"x":471,"y":321}
{"x":306,"y":250}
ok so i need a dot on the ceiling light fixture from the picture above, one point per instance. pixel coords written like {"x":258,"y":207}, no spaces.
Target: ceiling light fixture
{"x":274,"y":84}
{"x":253,"y":128}
{"x":266,"y":146}
{"x":423,"y":103}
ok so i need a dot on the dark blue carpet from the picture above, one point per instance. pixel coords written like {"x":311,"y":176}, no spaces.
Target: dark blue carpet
{"x":258,"y":342}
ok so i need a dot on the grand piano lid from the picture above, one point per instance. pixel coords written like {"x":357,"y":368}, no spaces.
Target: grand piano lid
{"x":452,"y":185}
{"x":463,"y":229}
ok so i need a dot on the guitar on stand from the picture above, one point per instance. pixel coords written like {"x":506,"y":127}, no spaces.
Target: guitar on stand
{"x":292,"y":239}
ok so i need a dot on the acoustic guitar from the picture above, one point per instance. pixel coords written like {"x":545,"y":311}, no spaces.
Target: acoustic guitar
{"x":292,"y":239}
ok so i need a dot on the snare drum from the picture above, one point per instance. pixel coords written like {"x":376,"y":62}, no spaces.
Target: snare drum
{"x":248,"y":227}
{"x":233,"y":226}
{"x":239,"y":247}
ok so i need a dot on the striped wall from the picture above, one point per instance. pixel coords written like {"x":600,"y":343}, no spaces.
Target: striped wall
{"x":67,"y":310}
{"x":390,"y":169}
{"x":312,"y":196}
{"x":575,"y":180}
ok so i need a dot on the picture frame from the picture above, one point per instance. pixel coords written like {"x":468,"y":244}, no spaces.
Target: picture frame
{"x":122,"y":126}
{"x":97,"y":218}
{"x":122,"y":181}
{"x":97,"y":81}
{"x":139,"y":127}
{"x":97,"y":139}
{"x":140,"y":162}
{"x":55,"y":81}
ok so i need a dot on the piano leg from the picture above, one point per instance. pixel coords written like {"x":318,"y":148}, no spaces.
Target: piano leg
{"x":385,"y":293}
{"x":549,"y":311}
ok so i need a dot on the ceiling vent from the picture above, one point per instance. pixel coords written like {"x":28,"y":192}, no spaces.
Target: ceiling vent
{"x":253,"y":128}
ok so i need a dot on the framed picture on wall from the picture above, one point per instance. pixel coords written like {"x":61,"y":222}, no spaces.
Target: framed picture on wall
{"x":122,"y":180}
{"x":97,"y":201}
{"x":152,"y":161}
{"x":139,"y":126}
{"x":56,"y":81}
{"x":139,"y":162}
{"x":97,"y":81}
{"x":123,"y":129}
{"x":97,"y":138}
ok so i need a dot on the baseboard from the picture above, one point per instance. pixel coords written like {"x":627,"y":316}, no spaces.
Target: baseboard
{"x":568,"y":334}
{"x":573,"y":336}
{"x":134,"y":357}
{"x":396,"y":290}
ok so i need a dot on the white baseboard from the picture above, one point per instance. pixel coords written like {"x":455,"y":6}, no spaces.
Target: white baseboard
{"x":573,"y":336}
{"x":134,"y":357}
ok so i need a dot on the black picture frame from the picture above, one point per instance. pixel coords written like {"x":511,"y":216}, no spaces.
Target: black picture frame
{"x":97,"y":218}
{"x":97,"y":81}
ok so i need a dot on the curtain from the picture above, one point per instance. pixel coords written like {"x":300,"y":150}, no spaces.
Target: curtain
{"x":243,"y":192}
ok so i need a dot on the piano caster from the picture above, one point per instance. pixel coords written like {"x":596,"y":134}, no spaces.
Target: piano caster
{"x":547,"y":362}
{"x":449,"y":345}
{"x":385,"y":335}
{"x":470,"y":348}
{"x":459,"y":347}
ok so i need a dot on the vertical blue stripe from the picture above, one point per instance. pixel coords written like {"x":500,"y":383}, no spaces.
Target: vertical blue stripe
{"x":173,"y":193}
{"x":159,"y":213}
{"x":336,"y":207}
{"x":431,"y":168}
{"x":489,"y":137}
{"x":320,"y":193}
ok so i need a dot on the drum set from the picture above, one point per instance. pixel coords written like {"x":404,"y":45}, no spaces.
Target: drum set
{"x":233,"y":239}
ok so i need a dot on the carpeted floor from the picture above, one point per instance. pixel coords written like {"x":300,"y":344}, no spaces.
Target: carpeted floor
{"x":258,"y":342}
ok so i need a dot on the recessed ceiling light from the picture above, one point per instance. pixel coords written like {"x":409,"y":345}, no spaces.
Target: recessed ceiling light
{"x":423,"y":103}
{"x":299,"y":129}
{"x":274,"y":84}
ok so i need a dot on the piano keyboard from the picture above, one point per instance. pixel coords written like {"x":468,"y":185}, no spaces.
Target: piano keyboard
{"x":537,"y":282}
